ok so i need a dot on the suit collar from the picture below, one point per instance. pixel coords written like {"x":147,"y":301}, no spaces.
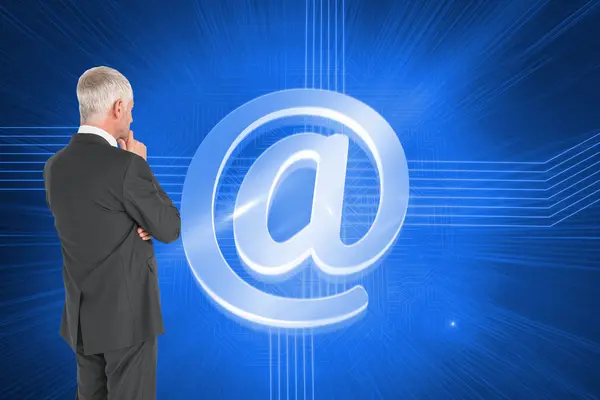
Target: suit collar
{"x":88,"y":130}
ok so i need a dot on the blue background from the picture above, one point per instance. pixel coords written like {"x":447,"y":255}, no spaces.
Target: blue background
{"x":491,"y":289}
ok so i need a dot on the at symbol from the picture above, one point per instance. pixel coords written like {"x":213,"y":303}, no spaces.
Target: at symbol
{"x":320,"y":239}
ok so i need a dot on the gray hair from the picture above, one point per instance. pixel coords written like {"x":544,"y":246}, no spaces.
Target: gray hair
{"x":98,"y":89}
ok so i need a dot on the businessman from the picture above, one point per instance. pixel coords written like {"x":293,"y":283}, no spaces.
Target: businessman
{"x":108,"y":207}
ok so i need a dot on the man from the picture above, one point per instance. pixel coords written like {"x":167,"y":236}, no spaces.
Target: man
{"x":107,"y":205}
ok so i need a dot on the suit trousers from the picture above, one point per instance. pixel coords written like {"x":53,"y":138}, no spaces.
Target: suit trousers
{"x":124,"y":374}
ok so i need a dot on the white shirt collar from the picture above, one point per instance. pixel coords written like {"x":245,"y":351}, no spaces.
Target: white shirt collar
{"x":100,"y":132}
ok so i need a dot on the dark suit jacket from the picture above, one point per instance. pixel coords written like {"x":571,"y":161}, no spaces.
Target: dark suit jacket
{"x":99,"y":195}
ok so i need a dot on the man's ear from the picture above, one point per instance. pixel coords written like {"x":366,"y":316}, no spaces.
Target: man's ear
{"x":117,"y":109}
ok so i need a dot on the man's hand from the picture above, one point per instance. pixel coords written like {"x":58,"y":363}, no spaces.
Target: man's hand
{"x":143,"y":234}
{"x":133,"y":145}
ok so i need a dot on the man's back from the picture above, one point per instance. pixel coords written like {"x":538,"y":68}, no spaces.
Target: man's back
{"x":99,"y":196}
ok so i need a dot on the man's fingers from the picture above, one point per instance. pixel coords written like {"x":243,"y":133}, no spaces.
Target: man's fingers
{"x":130,"y":136}
{"x":143,"y":234}
{"x":122,"y":144}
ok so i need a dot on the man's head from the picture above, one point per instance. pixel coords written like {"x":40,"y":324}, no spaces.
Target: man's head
{"x":105,"y":100}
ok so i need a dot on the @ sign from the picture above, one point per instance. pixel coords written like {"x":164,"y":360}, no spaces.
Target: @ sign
{"x":320,"y":240}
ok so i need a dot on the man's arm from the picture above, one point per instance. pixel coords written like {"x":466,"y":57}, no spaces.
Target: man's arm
{"x":148,"y":204}
{"x":45,"y":172}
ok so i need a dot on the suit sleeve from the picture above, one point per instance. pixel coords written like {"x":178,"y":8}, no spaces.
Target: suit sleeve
{"x":46,"y":185}
{"x":148,"y":204}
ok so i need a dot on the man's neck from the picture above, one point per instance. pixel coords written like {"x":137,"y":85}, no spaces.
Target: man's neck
{"x":102,"y":126}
